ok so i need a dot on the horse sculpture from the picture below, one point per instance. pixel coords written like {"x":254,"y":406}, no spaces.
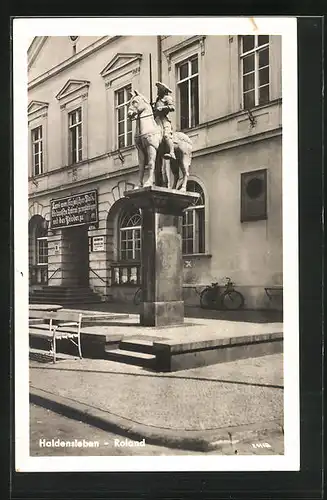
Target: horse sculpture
{"x":149,"y":144}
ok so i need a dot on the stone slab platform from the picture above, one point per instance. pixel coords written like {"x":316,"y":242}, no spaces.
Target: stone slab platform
{"x":198,"y":342}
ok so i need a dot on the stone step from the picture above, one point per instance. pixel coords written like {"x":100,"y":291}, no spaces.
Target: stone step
{"x":62,"y":297}
{"x":137,"y":345}
{"x":64,"y":294}
{"x":45,"y":356}
{"x":64,"y":301}
{"x":130,"y":357}
{"x":65,"y":288}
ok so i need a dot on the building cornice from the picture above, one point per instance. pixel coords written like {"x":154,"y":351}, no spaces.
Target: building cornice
{"x":269,"y":134}
{"x":97,"y":45}
{"x":84,"y":182}
{"x":237,"y":114}
{"x":235,"y":143}
{"x":34,"y":49}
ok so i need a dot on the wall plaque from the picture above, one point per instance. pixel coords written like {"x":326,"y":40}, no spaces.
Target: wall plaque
{"x":75,"y":210}
{"x":98,"y":244}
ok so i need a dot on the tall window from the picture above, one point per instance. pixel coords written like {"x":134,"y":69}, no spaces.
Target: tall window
{"x":188,"y":84}
{"x":193,"y":223}
{"x":42,"y":250}
{"x":130,"y":236}
{"x":75,"y":135}
{"x":124,"y":124}
{"x":37,"y":150}
{"x":39,"y":272}
{"x":255,"y":70}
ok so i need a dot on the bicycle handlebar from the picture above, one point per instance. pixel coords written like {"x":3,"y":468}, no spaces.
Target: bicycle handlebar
{"x":226,"y":278}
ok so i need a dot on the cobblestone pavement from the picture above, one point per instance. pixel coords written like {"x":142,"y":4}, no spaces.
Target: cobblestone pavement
{"x":242,"y":392}
{"x":46,"y":425}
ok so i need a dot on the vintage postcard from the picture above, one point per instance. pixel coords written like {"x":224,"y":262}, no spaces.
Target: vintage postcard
{"x":156,"y":259}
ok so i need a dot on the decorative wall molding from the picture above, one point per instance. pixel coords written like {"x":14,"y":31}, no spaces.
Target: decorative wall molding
{"x":71,"y":87}
{"x":118,"y":62}
{"x":37,"y":106}
{"x":171,"y":52}
{"x":36,"y":208}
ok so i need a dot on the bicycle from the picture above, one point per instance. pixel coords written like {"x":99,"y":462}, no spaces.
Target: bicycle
{"x":213,"y":298}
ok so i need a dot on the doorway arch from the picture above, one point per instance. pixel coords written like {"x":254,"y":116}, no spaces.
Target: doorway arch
{"x":38,"y":250}
{"x":124,"y":226}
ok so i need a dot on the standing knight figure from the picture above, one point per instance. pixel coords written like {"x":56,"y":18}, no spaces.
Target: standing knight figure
{"x":163,"y":105}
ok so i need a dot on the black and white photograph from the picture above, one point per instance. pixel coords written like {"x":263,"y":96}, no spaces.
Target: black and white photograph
{"x":156,"y":261}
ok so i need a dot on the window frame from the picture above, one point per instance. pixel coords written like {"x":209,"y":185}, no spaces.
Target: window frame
{"x":38,"y":117}
{"x":73,"y":95}
{"x":40,"y":239}
{"x":122,"y":70}
{"x":175,"y":55}
{"x":40,"y":153}
{"x":195,"y":209}
{"x":255,"y":51}
{"x":124,"y":230}
{"x":79,"y":135}
{"x":179,"y":81}
{"x":124,"y":105}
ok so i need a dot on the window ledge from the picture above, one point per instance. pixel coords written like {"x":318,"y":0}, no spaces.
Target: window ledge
{"x":123,"y":263}
{"x":196,"y":255}
{"x":135,"y":285}
{"x":237,"y":114}
{"x":124,"y":149}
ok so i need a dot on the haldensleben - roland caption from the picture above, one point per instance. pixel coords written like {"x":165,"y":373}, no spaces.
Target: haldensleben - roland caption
{"x":83,"y":443}
{"x":128,"y":442}
{"x":75,"y":443}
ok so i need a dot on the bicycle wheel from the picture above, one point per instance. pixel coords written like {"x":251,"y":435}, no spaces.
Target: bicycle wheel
{"x":138,"y":297}
{"x":232,"y":300}
{"x":208,"y":298}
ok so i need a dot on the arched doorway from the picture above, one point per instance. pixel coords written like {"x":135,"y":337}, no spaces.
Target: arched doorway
{"x":124,"y":226}
{"x":75,"y":265}
{"x":38,"y":250}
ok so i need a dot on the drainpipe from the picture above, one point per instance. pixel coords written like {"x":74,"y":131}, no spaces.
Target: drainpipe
{"x":159,"y":58}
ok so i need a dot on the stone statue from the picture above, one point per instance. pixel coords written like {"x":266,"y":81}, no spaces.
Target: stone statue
{"x":158,"y":147}
{"x":163,"y":105}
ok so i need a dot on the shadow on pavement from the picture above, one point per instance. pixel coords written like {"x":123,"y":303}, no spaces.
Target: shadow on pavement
{"x":246,"y":315}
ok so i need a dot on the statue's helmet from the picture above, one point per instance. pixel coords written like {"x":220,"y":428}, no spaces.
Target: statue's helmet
{"x":161,"y":86}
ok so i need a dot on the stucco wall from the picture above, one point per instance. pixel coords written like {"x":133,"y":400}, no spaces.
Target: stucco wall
{"x":100,"y":116}
{"x":219,"y":71}
{"x":250,"y":253}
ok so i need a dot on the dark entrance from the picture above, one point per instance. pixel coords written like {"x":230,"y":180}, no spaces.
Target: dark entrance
{"x":78,"y":255}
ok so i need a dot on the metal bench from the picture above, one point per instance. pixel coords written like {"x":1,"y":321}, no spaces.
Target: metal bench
{"x":54,"y":326}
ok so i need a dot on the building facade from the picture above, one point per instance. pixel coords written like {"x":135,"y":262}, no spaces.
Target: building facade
{"x":228,"y":96}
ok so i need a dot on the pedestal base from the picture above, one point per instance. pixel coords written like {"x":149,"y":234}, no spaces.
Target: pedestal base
{"x":161,"y":253}
{"x":162,"y":313}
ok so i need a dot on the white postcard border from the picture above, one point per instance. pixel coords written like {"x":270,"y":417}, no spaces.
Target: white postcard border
{"x":23,"y":32}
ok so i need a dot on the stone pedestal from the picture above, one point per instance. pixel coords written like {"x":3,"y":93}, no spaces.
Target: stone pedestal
{"x":161,"y":254}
